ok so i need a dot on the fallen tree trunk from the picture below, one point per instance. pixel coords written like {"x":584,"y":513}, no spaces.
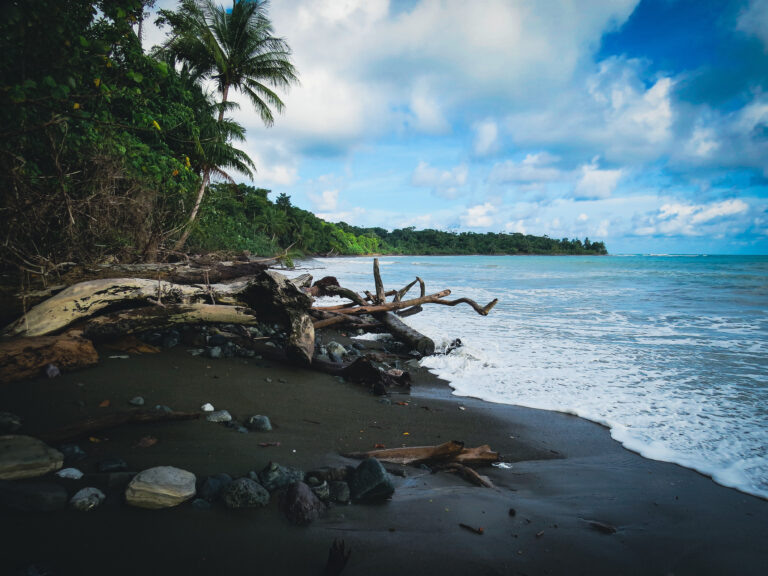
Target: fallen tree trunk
{"x":26,"y":358}
{"x":400,"y":330}
{"x":100,"y":423}
{"x":482,"y":455}
{"x":414,"y":455}
{"x":111,"y":326}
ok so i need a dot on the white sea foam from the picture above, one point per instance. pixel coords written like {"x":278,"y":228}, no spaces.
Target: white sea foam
{"x":638,"y":344}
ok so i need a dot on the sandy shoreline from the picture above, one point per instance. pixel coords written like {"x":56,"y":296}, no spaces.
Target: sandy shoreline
{"x":565,"y":473}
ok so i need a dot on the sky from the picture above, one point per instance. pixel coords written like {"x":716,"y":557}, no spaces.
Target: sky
{"x":643,"y":124}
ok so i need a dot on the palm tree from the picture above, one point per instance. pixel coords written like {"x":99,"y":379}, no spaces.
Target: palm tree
{"x":236,"y":49}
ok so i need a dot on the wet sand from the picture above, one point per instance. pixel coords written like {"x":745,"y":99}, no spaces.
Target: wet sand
{"x":565,"y":473}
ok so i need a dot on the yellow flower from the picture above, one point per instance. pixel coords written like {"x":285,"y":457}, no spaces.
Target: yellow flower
{"x":186,"y":161}
{"x":76,"y":106}
{"x":97,"y":82}
{"x":156,"y":125}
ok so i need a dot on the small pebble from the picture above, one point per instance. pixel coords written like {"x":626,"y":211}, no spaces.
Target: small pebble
{"x":219,"y":416}
{"x":207,"y":407}
{"x":69,"y":473}
{"x":52,"y":371}
{"x":268,"y":380}
{"x":163,"y":408}
{"x":137,"y":401}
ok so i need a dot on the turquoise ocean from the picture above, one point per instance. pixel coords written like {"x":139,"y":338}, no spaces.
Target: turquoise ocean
{"x":669,"y":352}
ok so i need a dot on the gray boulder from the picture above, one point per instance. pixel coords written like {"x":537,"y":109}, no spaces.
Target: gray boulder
{"x":336,"y":351}
{"x":274,"y":476}
{"x":338,"y":491}
{"x":160,"y":487}
{"x":219,"y":416}
{"x":370,"y":482}
{"x":300,"y":504}
{"x":87,"y":499}
{"x":245,"y":493}
{"x":213,"y":486}
{"x":259,"y":423}
{"x":27,"y":457}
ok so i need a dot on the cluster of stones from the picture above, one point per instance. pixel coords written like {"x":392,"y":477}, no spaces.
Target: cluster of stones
{"x":215,"y":343}
{"x":302,"y":496}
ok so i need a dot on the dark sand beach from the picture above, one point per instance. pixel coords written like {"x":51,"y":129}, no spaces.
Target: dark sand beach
{"x":566,"y":473}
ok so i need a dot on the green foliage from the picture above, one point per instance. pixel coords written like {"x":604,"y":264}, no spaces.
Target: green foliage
{"x":243,"y":218}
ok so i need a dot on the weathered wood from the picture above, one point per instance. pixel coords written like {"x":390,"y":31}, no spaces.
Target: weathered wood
{"x":91,"y":298}
{"x":301,"y":339}
{"x":373,"y":309}
{"x":413,"y":455}
{"x":478,"y":456}
{"x":117,"y":324}
{"x":380,"y":299}
{"x":481,"y":455}
{"x":97,"y":424}
{"x":400,"y":330}
{"x":468,"y":474}
{"x":26,"y":358}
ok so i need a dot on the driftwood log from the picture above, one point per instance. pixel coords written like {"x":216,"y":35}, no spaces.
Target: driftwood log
{"x":105,"y":309}
{"x":453,"y":451}
{"x":387,"y":313}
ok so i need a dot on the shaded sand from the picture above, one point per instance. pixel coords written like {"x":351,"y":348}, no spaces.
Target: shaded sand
{"x":566,"y":472}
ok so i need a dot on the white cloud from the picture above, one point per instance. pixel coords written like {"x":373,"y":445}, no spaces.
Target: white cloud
{"x":753,"y":20}
{"x":479,"y":216}
{"x":583,"y":217}
{"x":442,"y":182}
{"x":426,"y":111}
{"x":326,"y":201}
{"x":533,"y":169}
{"x":596,"y":183}
{"x":486,"y":137}
{"x":682,"y":219}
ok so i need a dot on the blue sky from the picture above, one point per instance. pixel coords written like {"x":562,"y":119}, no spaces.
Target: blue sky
{"x":642,"y":124}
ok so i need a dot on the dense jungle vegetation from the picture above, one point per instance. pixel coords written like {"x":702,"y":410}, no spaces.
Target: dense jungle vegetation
{"x":107,"y":150}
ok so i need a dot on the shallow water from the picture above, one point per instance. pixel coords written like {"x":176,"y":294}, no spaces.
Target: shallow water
{"x":670,"y":352}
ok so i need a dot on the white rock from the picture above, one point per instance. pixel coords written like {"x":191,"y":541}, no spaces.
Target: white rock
{"x":160,"y":487}
{"x":27,"y":457}
{"x":207,"y":407}
{"x":87,"y":499}
{"x":69,"y":473}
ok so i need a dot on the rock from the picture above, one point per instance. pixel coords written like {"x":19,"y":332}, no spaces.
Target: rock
{"x":322,"y":491}
{"x":196,"y":351}
{"x":163,"y":408}
{"x":87,"y":499}
{"x":259,"y":423}
{"x":51,"y":370}
{"x":212,"y":486}
{"x":300,"y":504}
{"x":218,"y":340}
{"x":160,"y":487}
{"x":245,"y":493}
{"x":69,"y":473}
{"x":329,"y":474}
{"x":207,"y":407}
{"x":338,"y":491}
{"x":136,"y":401}
{"x":112,"y":464}
{"x":336,"y":351}
{"x":219,"y":416}
{"x":171,"y":339}
{"x":214,"y":352}
{"x":200,"y":504}
{"x":72,"y":452}
{"x":274,"y":476}
{"x":32,"y":496}
{"x":370,"y":482}
{"x":27,"y":457}
{"x":9,"y":423}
